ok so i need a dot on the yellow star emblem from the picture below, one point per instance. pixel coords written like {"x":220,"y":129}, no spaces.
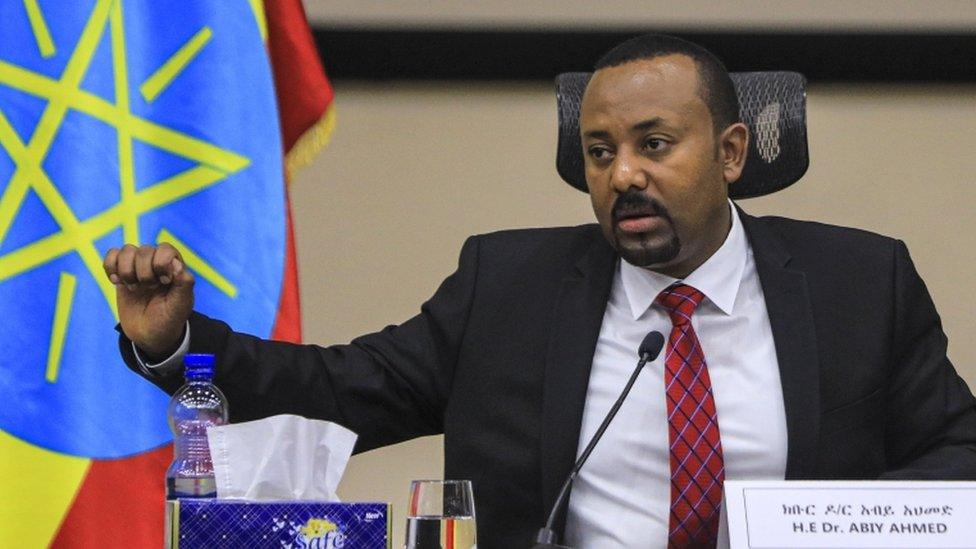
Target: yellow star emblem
{"x":213,"y":164}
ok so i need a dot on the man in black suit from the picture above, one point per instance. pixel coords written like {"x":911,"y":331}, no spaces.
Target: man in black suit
{"x":510,"y":357}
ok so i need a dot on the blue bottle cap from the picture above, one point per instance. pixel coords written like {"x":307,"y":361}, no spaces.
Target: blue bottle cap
{"x":199,"y":359}
{"x":199,"y":366}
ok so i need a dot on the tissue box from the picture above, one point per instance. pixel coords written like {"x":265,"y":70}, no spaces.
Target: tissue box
{"x":214,"y":523}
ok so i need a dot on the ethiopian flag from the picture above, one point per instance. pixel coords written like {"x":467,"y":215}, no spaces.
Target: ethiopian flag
{"x":136,"y":121}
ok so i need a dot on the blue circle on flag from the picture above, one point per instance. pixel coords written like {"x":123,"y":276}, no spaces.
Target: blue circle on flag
{"x":122,"y":121}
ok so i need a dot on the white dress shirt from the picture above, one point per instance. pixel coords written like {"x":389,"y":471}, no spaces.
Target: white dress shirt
{"x":622,"y":497}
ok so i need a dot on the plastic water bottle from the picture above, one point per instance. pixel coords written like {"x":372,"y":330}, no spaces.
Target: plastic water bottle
{"x":197,"y":405}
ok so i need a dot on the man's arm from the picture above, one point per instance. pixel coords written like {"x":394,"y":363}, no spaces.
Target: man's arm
{"x":387,"y":386}
{"x":931,"y":426}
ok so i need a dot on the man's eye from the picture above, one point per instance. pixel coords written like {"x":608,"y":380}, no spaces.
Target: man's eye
{"x":655,"y":144}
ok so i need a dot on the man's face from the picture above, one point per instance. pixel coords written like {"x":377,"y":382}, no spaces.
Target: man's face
{"x":657,"y":172}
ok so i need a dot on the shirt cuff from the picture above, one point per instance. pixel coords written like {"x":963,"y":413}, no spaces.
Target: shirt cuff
{"x":171,"y":364}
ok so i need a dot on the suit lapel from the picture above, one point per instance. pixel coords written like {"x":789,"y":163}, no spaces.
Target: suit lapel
{"x":791,"y":318}
{"x":576,"y":322}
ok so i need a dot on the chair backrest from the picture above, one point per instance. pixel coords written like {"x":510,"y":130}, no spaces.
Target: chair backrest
{"x":772,"y":104}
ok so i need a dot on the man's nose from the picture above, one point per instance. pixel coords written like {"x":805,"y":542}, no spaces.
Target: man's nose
{"x":628,"y":172}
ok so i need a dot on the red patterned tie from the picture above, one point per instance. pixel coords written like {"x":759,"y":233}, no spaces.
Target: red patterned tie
{"x":697,"y":469}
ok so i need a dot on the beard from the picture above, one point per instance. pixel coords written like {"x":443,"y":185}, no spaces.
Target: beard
{"x":643,"y":249}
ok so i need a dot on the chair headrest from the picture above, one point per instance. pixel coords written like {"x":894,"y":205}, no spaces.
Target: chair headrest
{"x":773,"y":105}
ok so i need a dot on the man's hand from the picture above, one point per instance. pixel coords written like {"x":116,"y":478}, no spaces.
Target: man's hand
{"x":154,"y":292}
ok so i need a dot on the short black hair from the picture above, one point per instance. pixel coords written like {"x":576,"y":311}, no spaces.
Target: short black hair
{"x":716,"y":87}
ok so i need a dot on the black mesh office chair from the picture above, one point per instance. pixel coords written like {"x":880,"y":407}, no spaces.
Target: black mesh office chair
{"x":773,"y":105}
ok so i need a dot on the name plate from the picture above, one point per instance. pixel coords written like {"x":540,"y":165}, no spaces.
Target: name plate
{"x":908,"y":514}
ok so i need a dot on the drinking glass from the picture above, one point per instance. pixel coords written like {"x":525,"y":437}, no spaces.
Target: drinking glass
{"x":440,"y":515}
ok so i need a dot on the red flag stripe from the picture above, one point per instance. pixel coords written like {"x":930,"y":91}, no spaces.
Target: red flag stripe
{"x":119,"y":504}
{"x":288,"y":321}
{"x":304,"y":93}
{"x":305,"y":108}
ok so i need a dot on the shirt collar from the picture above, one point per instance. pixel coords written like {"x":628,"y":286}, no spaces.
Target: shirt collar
{"x":718,"y":277}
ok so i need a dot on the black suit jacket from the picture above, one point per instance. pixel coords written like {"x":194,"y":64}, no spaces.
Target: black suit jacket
{"x":499,"y":359}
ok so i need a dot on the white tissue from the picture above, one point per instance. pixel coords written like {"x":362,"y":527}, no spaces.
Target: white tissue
{"x":283,"y":457}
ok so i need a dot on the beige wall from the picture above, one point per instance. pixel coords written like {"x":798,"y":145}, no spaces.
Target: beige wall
{"x":910,"y":15}
{"x":414,"y":169}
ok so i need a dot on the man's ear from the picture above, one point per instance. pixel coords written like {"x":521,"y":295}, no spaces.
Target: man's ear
{"x":733,"y":146}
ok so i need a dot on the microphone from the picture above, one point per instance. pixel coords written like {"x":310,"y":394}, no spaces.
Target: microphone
{"x":649,"y":348}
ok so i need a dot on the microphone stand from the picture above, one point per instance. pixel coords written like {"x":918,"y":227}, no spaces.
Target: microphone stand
{"x":649,"y":349}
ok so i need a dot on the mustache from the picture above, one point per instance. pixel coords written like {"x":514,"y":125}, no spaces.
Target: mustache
{"x":634,"y":203}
